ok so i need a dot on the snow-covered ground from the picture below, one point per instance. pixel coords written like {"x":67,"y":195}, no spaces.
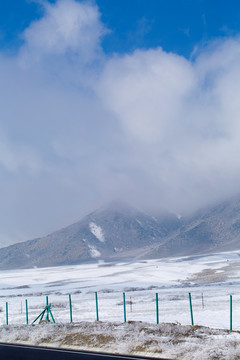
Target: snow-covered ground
{"x":210,"y":279}
{"x":169,"y":341}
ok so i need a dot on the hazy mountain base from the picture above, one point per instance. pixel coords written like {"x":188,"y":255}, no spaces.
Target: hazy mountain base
{"x":173,"y":341}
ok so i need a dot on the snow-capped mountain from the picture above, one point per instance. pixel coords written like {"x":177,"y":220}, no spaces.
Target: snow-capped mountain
{"x":116,"y":231}
{"x":121,"y":232}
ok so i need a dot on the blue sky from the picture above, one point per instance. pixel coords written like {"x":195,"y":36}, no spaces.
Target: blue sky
{"x":137,"y":100}
{"x":176,"y":25}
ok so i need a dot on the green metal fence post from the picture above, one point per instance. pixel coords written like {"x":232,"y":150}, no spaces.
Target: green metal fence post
{"x":157,"y":313}
{"x":70,"y":307}
{"x":26,"y":306}
{"x":96,"y":300}
{"x":190,"y":304}
{"x":230,"y":312}
{"x":124,"y":308}
{"x":52,"y":316}
{"x":6,"y":313}
{"x":47,"y":305}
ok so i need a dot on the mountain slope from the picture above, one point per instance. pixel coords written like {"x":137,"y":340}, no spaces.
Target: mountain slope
{"x":213,"y":229}
{"x":120,"y":232}
{"x":117,"y":231}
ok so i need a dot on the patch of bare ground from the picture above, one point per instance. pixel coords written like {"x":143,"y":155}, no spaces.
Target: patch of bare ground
{"x":207,"y":275}
{"x":148,"y":346}
{"x":92,"y":340}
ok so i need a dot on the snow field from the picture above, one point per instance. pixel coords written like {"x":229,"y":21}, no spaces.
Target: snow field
{"x":172,"y":279}
{"x":210,"y":279}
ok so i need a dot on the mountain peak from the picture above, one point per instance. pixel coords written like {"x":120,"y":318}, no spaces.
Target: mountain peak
{"x":114,"y":231}
{"x":119,"y":231}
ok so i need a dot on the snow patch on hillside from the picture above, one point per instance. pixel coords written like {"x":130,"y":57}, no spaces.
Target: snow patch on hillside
{"x":97,"y":231}
{"x":94,"y":252}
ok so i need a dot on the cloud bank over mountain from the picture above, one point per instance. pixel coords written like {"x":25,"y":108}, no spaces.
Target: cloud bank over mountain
{"x":80,"y":127}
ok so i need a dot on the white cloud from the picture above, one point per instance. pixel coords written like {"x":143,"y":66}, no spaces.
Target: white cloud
{"x":79,"y":128}
{"x":15,"y":157}
{"x":141,"y":87}
{"x":182,"y":119}
{"x":67,"y":28}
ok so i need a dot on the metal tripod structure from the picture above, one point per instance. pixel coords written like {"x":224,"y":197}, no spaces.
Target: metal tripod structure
{"x":47,"y":311}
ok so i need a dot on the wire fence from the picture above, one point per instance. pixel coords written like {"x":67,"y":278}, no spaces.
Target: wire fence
{"x":176,"y":307}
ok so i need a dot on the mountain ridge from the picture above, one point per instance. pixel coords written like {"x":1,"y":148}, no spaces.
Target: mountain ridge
{"x":115,"y":231}
{"x":118,"y":231}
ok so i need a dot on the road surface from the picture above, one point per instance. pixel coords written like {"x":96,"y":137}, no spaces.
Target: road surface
{"x":25,"y":352}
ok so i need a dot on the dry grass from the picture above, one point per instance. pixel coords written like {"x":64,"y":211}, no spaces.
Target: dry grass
{"x":87,"y":340}
{"x":149,"y":345}
{"x":208,"y":275}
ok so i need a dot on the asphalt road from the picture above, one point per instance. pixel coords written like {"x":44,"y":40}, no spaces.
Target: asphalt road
{"x":25,"y":352}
